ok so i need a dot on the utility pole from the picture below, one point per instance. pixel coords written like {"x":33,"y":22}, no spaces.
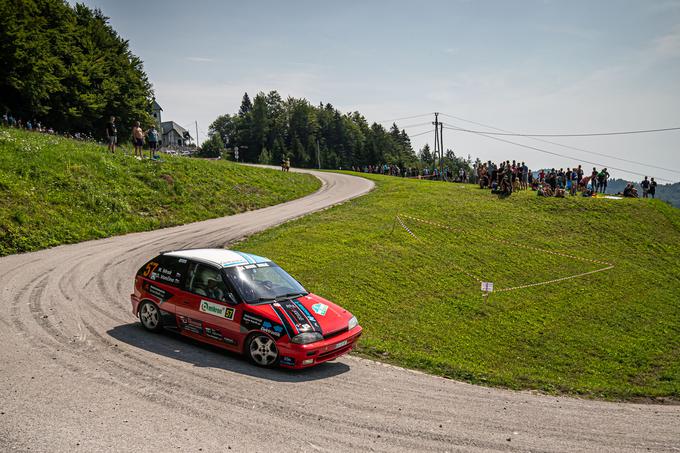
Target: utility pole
{"x":318,"y":154}
{"x":436,"y":138}
{"x":196,"y":134}
{"x":441,"y":148}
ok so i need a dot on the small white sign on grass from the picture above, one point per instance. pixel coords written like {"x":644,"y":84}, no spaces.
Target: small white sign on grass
{"x":487,"y":287}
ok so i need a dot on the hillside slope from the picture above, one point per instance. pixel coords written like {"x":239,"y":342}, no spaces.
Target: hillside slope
{"x":612,"y":333}
{"x":55,"y":191}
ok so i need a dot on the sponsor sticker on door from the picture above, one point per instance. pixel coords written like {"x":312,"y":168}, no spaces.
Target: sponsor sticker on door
{"x":214,"y":309}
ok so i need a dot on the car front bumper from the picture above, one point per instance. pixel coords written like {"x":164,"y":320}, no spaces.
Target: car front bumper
{"x":298,"y":356}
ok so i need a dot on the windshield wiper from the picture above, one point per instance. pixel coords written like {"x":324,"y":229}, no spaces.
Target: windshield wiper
{"x":291,"y":295}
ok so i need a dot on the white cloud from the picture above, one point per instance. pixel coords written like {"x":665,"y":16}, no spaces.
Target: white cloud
{"x":201,"y":59}
{"x":668,"y":45}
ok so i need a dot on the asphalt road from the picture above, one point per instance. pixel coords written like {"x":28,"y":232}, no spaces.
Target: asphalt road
{"x":78,"y":373}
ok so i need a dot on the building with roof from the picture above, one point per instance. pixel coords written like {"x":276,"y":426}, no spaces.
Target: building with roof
{"x":174,"y":135}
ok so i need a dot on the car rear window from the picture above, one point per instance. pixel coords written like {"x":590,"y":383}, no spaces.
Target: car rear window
{"x":165,"y":269}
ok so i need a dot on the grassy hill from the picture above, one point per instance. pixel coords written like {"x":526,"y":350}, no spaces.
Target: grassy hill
{"x":55,"y":191}
{"x":611,"y":334}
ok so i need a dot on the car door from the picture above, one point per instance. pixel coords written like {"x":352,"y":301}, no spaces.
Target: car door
{"x":206,"y":309}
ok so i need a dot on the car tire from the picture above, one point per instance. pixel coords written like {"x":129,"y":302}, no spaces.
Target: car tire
{"x":150,"y":316}
{"x":262,"y":350}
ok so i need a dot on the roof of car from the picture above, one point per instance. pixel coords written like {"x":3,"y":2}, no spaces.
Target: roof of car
{"x":219,"y":257}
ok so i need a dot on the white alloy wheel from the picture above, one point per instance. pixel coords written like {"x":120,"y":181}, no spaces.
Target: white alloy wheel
{"x":150,"y":316}
{"x":263,"y":350}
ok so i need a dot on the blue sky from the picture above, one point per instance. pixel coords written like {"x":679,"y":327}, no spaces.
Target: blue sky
{"x":527,"y":66}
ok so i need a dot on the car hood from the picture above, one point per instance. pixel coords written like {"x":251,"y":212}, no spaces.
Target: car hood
{"x":310,"y":313}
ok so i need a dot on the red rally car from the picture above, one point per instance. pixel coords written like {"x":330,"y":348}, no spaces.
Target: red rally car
{"x":244,"y":303}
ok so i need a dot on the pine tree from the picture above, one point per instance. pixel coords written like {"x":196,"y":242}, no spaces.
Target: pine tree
{"x":246,"y":106}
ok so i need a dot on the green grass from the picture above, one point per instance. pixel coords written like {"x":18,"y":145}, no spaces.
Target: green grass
{"x":613,"y":334}
{"x":55,"y":191}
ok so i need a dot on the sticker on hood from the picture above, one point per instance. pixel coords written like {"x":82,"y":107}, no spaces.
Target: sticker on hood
{"x":320,"y":309}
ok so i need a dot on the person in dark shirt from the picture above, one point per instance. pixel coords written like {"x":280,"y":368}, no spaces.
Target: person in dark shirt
{"x":112,"y":134}
{"x":645,"y":187}
{"x":652,"y":187}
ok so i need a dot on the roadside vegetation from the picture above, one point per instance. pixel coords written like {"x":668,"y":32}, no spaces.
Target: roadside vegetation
{"x":55,"y":191}
{"x":613,"y":334}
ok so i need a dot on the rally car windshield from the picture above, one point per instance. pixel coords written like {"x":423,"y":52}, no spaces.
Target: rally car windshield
{"x":263,"y":283}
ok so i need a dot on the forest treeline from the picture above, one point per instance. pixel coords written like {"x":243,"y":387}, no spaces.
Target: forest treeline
{"x":66,"y":67}
{"x":268,"y":129}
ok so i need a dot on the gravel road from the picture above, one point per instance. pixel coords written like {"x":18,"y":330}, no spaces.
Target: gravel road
{"x":78,"y":373}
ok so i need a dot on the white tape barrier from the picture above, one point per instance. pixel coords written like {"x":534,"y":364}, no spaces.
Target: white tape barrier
{"x":607,"y":266}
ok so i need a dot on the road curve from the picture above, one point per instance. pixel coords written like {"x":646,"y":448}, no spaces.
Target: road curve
{"x":78,"y":373}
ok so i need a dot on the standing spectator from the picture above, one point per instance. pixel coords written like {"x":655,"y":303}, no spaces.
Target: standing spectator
{"x":525,"y":176}
{"x":152,"y":137}
{"x":138,"y":139}
{"x":603,"y":177}
{"x":652,"y":187}
{"x":574,"y":181}
{"x":594,"y":180}
{"x":645,"y":188}
{"x":112,"y":134}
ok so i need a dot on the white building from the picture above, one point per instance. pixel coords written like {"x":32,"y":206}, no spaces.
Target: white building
{"x":174,"y":135}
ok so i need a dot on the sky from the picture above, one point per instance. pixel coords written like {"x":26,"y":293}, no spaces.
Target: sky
{"x":534,"y":66}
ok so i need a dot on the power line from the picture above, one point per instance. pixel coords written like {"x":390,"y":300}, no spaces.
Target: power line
{"x":591,"y":134}
{"x":404,"y":118}
{"x":550,"y":152}
{"x":421,"y":133}
{"x":417,"y":125}
{"x":575,"y":148}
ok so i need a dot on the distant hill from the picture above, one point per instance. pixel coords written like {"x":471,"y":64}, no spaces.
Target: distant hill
{"x":666,"y":192}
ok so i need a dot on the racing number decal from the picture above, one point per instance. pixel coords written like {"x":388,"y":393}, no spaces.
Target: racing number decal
{"x":150,"y":268}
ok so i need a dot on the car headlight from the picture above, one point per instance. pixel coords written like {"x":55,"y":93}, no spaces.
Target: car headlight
{"x":352,"y":323}
{"x":307,"y":337}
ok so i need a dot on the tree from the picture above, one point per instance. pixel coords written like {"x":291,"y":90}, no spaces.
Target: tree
{"x":212,"y":147}
{"x":265,"y":157}
{"x":426,"y":155}
{"x":66,"y":67}
{"x":246,"y":106}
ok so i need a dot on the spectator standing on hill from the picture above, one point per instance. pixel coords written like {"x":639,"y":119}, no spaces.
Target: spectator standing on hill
{"x":652,"y":187}
{"x":525,"y":176}
{"x":645,"y":187}
{"x":152,"y":137}
{"x":603,"y":177}
{"x":112,"y":134}
{"x":138,"y":139}
{"x":593,"y":180}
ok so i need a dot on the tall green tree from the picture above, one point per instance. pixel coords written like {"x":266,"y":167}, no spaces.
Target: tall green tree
{"x":68,"y":68}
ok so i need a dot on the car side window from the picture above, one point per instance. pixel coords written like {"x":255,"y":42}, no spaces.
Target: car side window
{"x":165,"y":269}
{"x":206,"y":281}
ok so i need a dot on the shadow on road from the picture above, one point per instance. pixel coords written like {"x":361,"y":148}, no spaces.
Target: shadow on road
{"x":178,"y":347}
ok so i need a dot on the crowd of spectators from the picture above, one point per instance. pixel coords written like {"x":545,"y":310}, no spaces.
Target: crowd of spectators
{"x":9,"y":120}
{"x":506,"y":178}
{"x":446,"y":174}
